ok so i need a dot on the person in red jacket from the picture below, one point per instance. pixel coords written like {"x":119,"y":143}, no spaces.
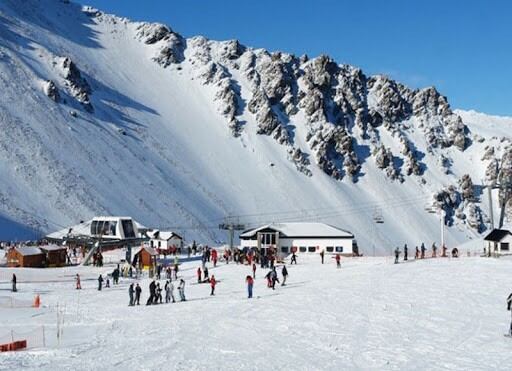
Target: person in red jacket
{"x":199,"y":275}
{"x":250,"y":283}
{"x":214,"y":257}
{"x":213,"y":282}
{"x":338,"y":260}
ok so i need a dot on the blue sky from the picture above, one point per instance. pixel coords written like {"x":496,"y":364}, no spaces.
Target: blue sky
{"x":464,"y":48}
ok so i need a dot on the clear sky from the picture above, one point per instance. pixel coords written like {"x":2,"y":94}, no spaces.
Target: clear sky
{"x":463,"y":47}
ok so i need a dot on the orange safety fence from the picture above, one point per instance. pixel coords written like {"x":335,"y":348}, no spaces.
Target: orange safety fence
{"x":18,"y":340}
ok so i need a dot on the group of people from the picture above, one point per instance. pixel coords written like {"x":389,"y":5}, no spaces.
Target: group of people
{"x":155,"y":293}
{"x":421,"y":252}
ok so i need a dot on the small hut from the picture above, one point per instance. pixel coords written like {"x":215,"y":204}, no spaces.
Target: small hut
{"x":55,"y":256}
{"x":25,"y":256}
{"x":145,"y":257}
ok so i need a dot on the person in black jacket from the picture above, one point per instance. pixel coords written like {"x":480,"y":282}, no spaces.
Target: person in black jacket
{"x":14,"y":289}
{"x":284,"y":272}
{"x":100,"y":282}
{"x":131,"y":291}
{"x":152,"y":293}
{"x":405,"y":252}
{"x":138,"y":290}
{"x":509,"y":306}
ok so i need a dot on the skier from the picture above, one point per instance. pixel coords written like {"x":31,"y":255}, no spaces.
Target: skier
{"x":213,"y":282}
{"x":253,"y":270}
{"x":214,"y":257}
{"x":176,"y":268}
{"x":158,"y":297}
{"x":13,"y":281}
{"x":338,"y":261}
{"x":443,"y":251}
{"x":181,"y":290}
{"x":115,"y":276}
{"x":130,"y":293}
{"x":268,"y":276}
{"x":167,"y":290}
{"x":107,"y":284}
{"x":294,"y":258}
{"x":171,"y":291}
{"x":509,"y":307}
{"x":250,"y":283}
{"x":100,"y":282}
{"x":423,"y":249}
{"x":78,"y":284}
{"x":284,"y":272}
{"x":138,"y":290}
{"x":455,"y":252}
{"x":405,"y":252}
{"x":206,"y":278}
{"x":273,"y":276}
{"x":397,"y":255}
{"x":199,"y":275}
{"x":152,"y":288}
{"x":322,"y":255}
{"x":417,"y":256}
{"x":434,"y":250}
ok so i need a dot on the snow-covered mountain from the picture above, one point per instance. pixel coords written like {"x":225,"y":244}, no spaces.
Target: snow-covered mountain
{"x":102,"y":115}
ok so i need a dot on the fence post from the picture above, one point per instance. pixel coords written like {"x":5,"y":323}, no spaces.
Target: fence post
{"x":12,"y":336}
{"x":44,"y":339}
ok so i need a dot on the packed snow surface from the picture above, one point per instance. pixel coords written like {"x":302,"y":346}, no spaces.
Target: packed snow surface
{"x":436,"y":314}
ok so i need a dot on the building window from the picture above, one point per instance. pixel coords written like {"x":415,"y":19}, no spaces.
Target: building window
{"x":504,"y":246}
{"x":303,"y":249}
{"x":330,"y":248}
{"x":152,"y":243}
{"x":284,"y":249}
{"x":311,"y":248}
{"x":339,"y":248}
{"x":129,"y":232}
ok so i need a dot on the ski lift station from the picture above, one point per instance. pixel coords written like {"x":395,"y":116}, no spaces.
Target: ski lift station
{"x":301,"y":238}
{"x":107,"y":228}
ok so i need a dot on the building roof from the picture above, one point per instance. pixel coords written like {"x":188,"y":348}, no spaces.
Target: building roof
{"x":28,"y":250}
{"x":164,"y":235}
{"x":497,"y":235}
{"x":304,"y":230}
{"x":148,"y":249}
{"x":52,"y":248}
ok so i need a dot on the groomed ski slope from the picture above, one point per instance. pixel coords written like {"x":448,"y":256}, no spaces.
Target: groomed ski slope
{"x":436,"y":314}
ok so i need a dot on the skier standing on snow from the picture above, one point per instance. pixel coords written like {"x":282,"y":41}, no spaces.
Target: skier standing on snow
{"x":509,"y":307}
{"x":138,"y":290}
{"x":423,"y":249}
{"x":397,"y":255}
{"x":152,"y":293}
{"x":213,"y":282}
{"x":13,"y":281}
{"x":273,"y":276}
{"x":405,"y":252}
{"x":78,"y":284}
{"x":434,"y":250}
{"x":181,"y":290}
{"x":284,"y":272}
{"x":100,"y":282}
{"x":417,"y":255}
{"x":250,"y":283}
{"x":253,"y":270}
{"x":294,"y":258}
{"x":338,"y":261}
{"x":199,"y":275}
{"x":322,"y":255}
{"x":214,"y":257}
{"x":268,"y":276}
{"x":206,"y":277}
{"x":130,"y":294}
{"x":158,"y":297}
{"x":167,"y":290}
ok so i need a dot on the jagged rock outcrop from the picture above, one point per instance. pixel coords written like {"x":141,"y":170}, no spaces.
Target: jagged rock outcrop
{"x":77,"y":85}
{"x":171,"y":44}
{"x":300,"y":160}
{"x":51,"y":90}
{"x":491,"y":172}
{"x":466,"y":187}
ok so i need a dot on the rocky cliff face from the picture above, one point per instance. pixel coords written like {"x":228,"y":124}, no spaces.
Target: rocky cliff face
{"x":205,"y":125}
